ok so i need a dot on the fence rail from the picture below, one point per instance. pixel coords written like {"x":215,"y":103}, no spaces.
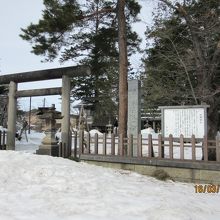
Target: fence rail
{"x":148,"y":146}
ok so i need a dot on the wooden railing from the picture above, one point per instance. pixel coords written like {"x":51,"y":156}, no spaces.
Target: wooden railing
{"x":3,"y":140}
{"x":147,"y":146}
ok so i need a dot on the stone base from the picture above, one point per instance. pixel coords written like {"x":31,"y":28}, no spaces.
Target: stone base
{"x":52,"y":151}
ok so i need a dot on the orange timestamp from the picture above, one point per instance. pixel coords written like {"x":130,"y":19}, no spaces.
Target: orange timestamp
{"x":208,"y":188}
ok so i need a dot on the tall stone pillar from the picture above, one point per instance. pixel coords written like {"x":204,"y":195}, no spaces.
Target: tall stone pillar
{"x":65,"y":127}
{"x":12,"y":110}
{"x":134,"y":110}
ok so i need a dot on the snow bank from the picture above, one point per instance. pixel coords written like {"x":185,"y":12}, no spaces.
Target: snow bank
{"x":147,"y":131}
{"x":94,"y":131}
{"x":37,"y":187}
{"x":3,"y":129}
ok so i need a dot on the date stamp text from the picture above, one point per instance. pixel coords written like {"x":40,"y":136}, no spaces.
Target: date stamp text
{"x":207,"y":188}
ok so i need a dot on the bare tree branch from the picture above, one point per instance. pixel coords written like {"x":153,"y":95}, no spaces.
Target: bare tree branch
{"x":186,"y":71}
{"x":214,"y":62}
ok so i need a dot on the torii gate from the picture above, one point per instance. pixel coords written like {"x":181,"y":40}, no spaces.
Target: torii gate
{"x":64,"y":73}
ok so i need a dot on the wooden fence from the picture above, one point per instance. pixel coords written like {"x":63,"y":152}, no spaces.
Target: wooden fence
{"x":3,"y":140}
{"x":146,"y":146}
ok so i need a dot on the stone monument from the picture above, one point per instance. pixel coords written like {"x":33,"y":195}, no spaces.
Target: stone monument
{"x":109,"y":128}
{"x":49,"y":144}
{"x":134,"y":110}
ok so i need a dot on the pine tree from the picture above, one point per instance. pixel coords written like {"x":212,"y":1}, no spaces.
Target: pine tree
{"x":183,"y":65}
{"x":3,"y":89}
{"x":87,"y":34}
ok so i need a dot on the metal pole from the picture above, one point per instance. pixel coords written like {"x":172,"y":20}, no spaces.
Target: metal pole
{"x":29,"y":118}
{"x":44,"y":102}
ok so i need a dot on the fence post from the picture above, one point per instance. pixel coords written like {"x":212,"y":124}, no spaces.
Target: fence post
{"x":96,"y":143}
{"x":70,"y":144}
{"x":162,"y":147}
{"x":104,"y":144}
{"x":63,"y":150}
{"x":88,"y":143}
{"x":113,"y":144}
{"x":181,"y":147}
{"x":159,"y":146}
{"x":4,"y":139}
{"x":139,"y":145}
{"x":205,"y":148}
{"x":75,"y":144}
{"x":1,"y":145}
{"x":193,"y":141}
{"x":150,"y":146}
{"x":81,"y":139}
{"x":121,"y":145}
{"x":130,"y":146}
{"x":171,"y":146}
{"x":218,"y":148}
{"x":60,"y":149}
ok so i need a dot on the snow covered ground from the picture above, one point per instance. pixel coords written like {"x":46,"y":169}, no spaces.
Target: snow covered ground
{"x":34,"y":187}
{"x":31,"y":144}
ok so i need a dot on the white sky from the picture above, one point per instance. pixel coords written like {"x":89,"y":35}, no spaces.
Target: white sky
{"x":15,"y":53}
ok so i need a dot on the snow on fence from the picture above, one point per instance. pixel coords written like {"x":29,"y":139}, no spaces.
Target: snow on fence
{"x":187,"y":149}
{"x":2,"y":140}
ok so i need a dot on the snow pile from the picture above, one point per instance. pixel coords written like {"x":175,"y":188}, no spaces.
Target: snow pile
{"x":3,"y":129}
{"x":95,"y":131}
{"x":37,"y":187}
{"x":147,"y":131}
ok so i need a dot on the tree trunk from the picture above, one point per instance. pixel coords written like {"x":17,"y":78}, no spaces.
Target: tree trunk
{"x":213,"y":118}
{"x":123,"y":72}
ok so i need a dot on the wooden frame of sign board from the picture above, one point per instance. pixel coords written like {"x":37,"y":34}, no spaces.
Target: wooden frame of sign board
{"x":189,"y":119}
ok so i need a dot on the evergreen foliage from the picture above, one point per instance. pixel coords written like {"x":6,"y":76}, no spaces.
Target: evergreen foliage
{"x":86,"y":33}
{"x":3,"y":89}
{"x":183,"y":62}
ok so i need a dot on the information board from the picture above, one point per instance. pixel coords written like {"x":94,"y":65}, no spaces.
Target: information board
{"x":186,"y":121}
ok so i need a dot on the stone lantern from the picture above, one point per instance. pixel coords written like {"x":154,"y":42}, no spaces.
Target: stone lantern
{"x":49,"y":144}
{"x":109,"y":128}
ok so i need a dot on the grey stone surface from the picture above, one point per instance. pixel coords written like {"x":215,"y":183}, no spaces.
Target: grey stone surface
{"x":65,"y":127}
{"x":53,"y":151}
{"x":196,"y":172}
{"x":3,"y":110}
{"x":49,"y":144}
{"x":12,"y":110}
{"x":134,"y":110}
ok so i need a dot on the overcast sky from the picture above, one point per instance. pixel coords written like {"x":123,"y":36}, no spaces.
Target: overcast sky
{"x":15,"y":53}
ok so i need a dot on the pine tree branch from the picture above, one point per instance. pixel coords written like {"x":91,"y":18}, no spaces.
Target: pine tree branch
{"x":169,"y":4}
{"x":102,"y":11}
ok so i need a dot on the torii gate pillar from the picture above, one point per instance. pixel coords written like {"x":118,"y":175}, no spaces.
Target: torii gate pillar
{"x":12,"y":110}
{"x":65,"y":127}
